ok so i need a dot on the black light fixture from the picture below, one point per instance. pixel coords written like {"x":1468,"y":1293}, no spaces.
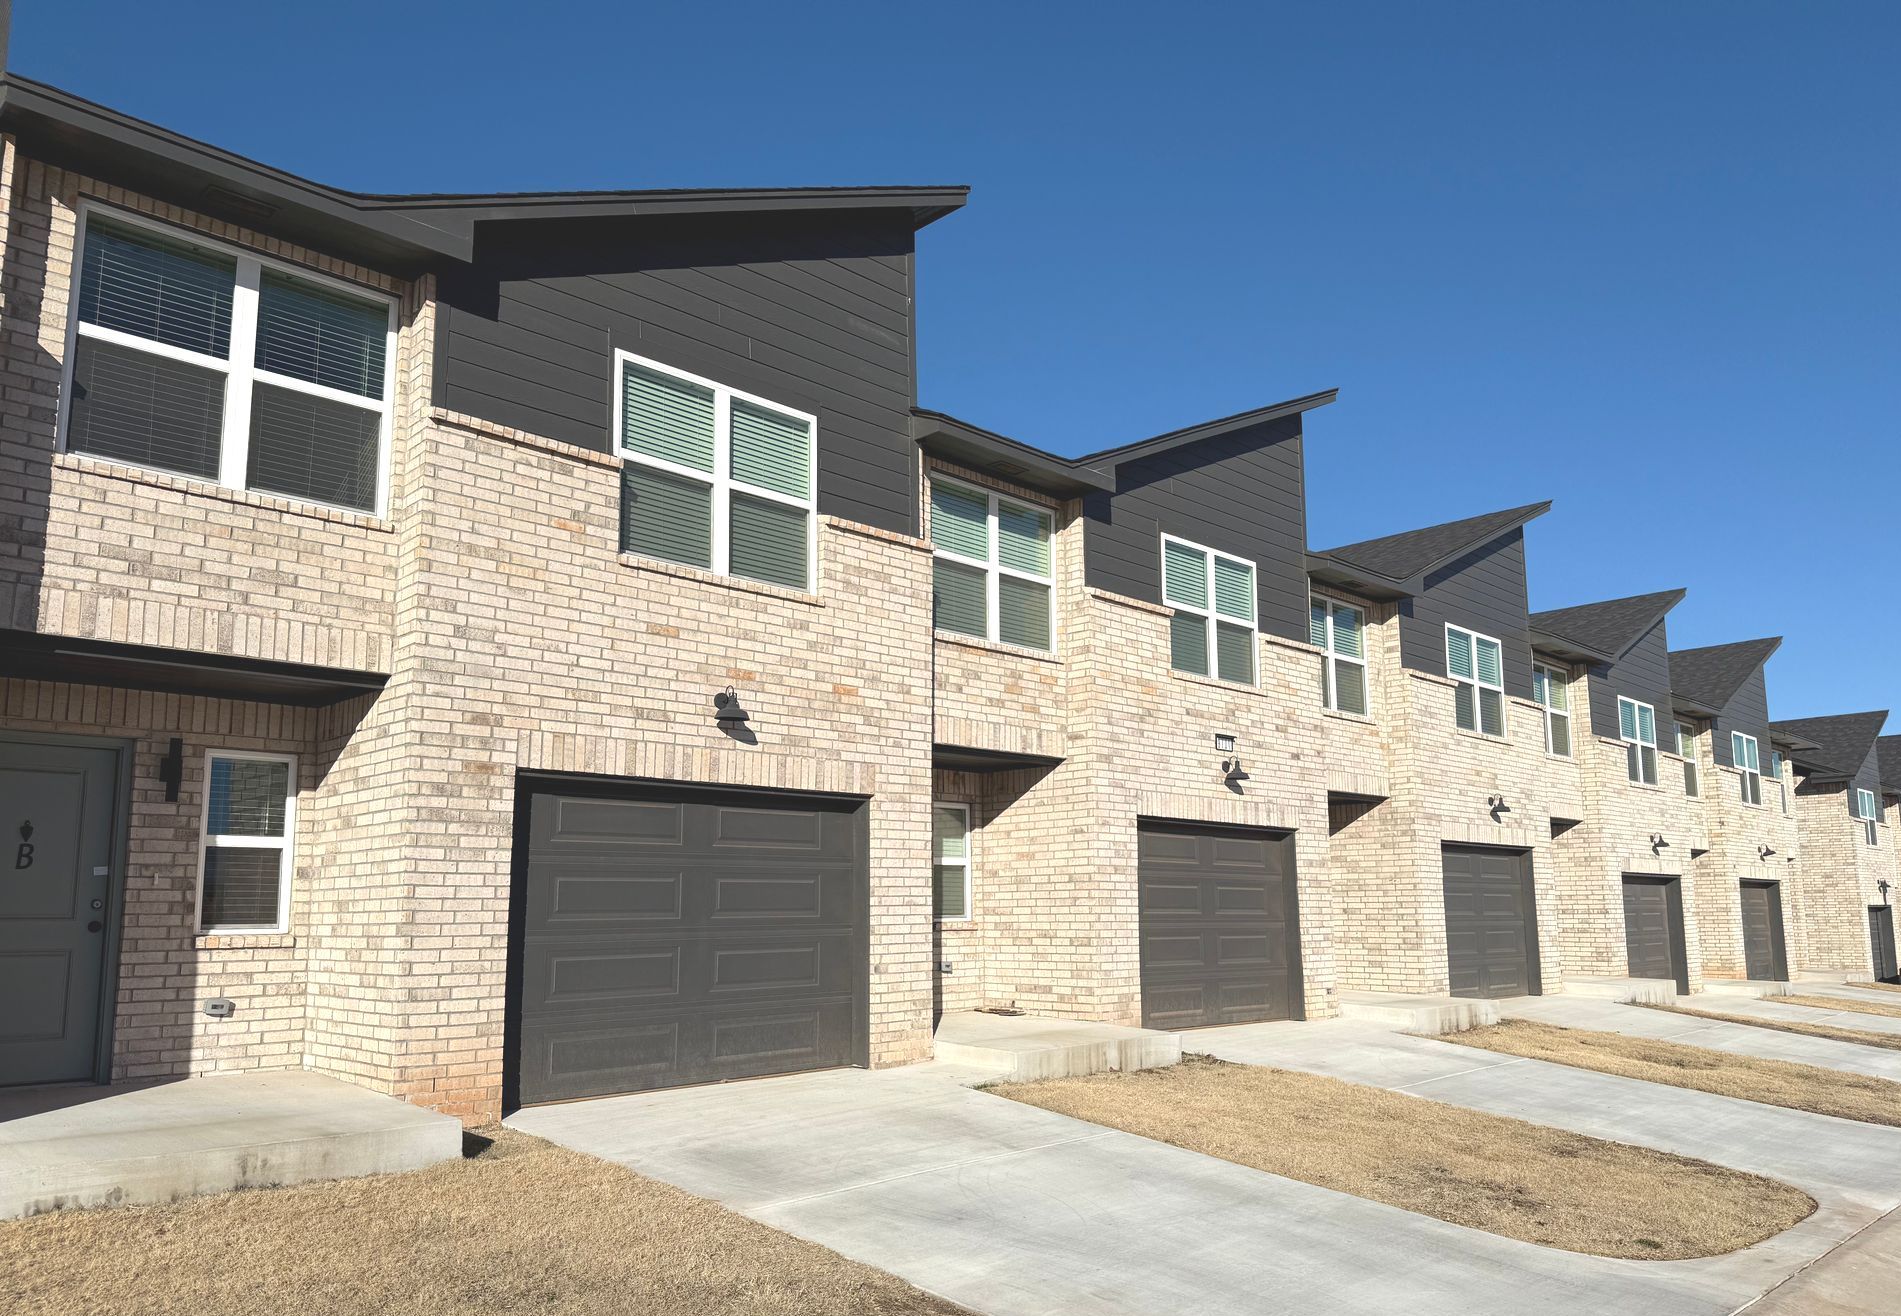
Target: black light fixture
{"x":1763,"y":852}
{"x":1496,"y":804}
{"x":1883,"y":887}
{"x":1657,"y":843}
{"x":728,"y":714}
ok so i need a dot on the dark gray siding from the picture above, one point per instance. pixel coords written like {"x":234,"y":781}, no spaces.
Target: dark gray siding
{"x":1747,"y":712}
{"x":1868,"y":778}
{"x":811,"y":311}
{"x":1642,"y":674}
{"x":1483,"y":591}
{"x":1240,"y":493}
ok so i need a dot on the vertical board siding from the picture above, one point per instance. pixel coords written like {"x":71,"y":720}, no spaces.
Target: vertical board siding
{"x":1239,"y":493}
{"x":810,"y":311}
{"x":1748,"y":712}
{"x":1642,"y":674}
{"x":1483,"y":591}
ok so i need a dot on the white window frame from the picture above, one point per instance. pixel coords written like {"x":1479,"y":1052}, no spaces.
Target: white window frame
{"x":1478,"y":704}
{"x":1561,"y":676}
{"x":720,"y":479}
{"x":286,"y":845}
{"x":1778,"y":773}
{"x":969,"y":864}
{"x":995,"y":567}
{"x":239,"y":371}
{"x":1210,"y":618}
{"x":1331,"y":658}
{"x":1868,"y":809}
{"x":1686,"y":750}
{"x":1639,"y":742}
{"x":1751,"y":777}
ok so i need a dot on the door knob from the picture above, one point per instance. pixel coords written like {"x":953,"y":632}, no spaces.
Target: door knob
{"x":94,"y":926}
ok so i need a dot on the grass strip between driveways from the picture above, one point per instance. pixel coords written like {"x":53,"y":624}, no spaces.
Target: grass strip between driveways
{"x":1506,"y":1176}
{"x":525,"y":1227}
{"x":1843,"y":1003}
{"x":1833,"y":1033}
{"x":1878,"y":986}
{"x":1678,"y":1064}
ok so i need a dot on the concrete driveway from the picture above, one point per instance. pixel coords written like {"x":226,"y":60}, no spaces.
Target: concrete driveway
{"x":1016,"y":1211}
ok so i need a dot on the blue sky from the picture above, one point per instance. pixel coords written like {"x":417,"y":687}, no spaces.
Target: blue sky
{"x":1640,"y":259}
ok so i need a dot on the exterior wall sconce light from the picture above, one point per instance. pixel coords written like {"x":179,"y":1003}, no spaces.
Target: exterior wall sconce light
{"x":728,"y":714}
{"x":1496,"y":805}
{"x":1657,"y":844}
{"x":1763,"y":852}
{"x":1883,"y":887}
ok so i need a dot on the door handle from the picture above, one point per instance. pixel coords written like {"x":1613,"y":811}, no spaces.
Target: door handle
{"x":94,"y":926}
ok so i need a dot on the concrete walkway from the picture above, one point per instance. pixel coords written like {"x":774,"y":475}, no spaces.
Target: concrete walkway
{"x":1016,"y":1211}
{"x":1739,"y":1039}
{"x":1780,"y":1012}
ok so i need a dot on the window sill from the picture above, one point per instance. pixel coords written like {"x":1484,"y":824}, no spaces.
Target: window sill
{"x":263,"y":940}
{"x":1233,"y":687}
{"x":956,"y":924}
{"x":1340,"y":714}
{"x":87,"y":464}
{"x":995,"y":646}
{"x":1480,"y":735}
{"x":655,"y":566}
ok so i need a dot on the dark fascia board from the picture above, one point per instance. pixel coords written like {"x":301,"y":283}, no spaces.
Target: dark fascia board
{"x":1691,"y":708}
{"x":1570,"y":651}
{"x":1355,"y":580}
{"x":399,"y":233}
{"x":30,"y":655}
{"x":1209,"y":429}
{"x":996,"y":454}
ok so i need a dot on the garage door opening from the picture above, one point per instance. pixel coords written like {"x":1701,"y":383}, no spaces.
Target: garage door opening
{"x":1763,"y":953}
{"x":1653,"y":929}
{"x":1491,"y":923}
{"x":1881,"y":942}
{"x":663,"y":935}
{"x":1220,"y":926}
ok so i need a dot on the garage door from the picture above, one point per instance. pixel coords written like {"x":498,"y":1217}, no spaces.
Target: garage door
{"x":1219,"y":935}
{"x":1881,"y":940}
{"x":1653,"y":929}
{"x":1490,"y":930}
{"x":664,"y":937}
{"x":1762,"y":931}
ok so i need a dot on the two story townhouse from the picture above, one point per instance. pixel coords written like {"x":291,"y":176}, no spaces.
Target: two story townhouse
{"x":1848,"y":851}
{"x":1730,"y":764}
{"x":1881,"y":917}
{"x":1621,"y":866}
{"x":1447,"y":865}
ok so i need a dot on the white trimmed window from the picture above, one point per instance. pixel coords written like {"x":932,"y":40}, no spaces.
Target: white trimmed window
{"x":950,"y":862}
{"x":244,"y":863}
{"x":1339,"y":631}
{"x":1637,"y":725}
{"x":714,"y":478}
{"x":1686,"y":747}
{"x":992,"y":577}
{"x":1476,"y":664}
{"x":1775,"y":775}
{"x":201,"y":359}
{"x":1551,"y":689}
{"x":1212,"y":631}
{"x":1747,"y":757}
{"x":1869,"y":812}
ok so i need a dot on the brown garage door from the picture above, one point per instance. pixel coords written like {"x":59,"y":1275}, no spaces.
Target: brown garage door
{"x":1653,"y":929}
{"x":1491,"y":934}
{"x":1219,"y":935}
{"x":666,"y":937}
{"x":1762,"y":931}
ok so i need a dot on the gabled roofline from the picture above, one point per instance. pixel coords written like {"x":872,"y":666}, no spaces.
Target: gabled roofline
{"x":1327,"y":566}
{"x":402,"y":231}
{"x":1803,"y":750}
{"x":1006,"y":458}
{"x":1671,"y":598}
{"x":1774,"y":643}
{"x":1208,"y":429}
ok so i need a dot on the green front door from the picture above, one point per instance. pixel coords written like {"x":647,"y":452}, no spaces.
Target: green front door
{"x":56,"y":820}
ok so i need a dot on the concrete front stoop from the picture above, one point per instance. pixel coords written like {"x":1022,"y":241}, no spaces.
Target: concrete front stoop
{"x":74,"y":1147}
{"x":1630,"y":991}
{"x":1757,"y":987}
{"x":1425,"y":1016}
{"x":1024,"y":1048}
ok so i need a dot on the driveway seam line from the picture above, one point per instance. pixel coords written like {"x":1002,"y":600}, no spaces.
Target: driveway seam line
{"x":932,"y":1169}
{"x":1475,"y":1069}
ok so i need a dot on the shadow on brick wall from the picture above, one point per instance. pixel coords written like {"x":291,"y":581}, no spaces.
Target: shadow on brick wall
{"x":29,"y":408}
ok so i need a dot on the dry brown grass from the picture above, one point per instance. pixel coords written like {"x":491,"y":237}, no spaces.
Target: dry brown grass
{"x":1878,"y":986}
{"x":1506,"y":1176}
{"x":525,"y":1227}
{"x":1847,"y":1003}
{"x":1888,"y":1041}
{"x":1772,"y":1082}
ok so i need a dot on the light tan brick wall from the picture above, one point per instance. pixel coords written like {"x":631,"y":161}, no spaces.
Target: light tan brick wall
{"x":1737,"y":834}
{"x":1837,"y":880}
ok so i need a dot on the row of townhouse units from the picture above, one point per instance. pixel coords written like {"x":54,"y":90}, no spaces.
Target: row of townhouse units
{"x":501,"y":649}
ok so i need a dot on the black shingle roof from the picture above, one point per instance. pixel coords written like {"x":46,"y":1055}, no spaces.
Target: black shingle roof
{"x":1411,"y":552}
{"x":1711,"y":676}
{"x":1611,"y":626}
{"x":1842,"y":741}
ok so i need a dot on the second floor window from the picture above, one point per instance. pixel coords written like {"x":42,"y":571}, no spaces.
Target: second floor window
{"x":714,"y":478}
{"x":1551,"y":688}
{"x":1775,"y":775}
{"x":992,"y":575}
{"x":1747,"y":756}
{"x":203,"y":360}
{"x":1637,"y":725}
{"x":1686,"y":747}
{"x":1339,"y":631}
{"x":1869,"y":812}
{"x":1212,"y":631}
{"x":1476,"y":665}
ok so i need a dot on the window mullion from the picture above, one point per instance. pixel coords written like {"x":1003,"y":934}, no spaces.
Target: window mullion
{"x":993,"y":595}
{"x":234,"y":451}
{"x":722,"y":481}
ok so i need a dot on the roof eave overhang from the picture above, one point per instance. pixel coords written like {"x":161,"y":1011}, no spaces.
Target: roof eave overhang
{"x":1557,"y":646}
{"x":963,"y":444}
{"x":1693,"y":707}
{"x":1329,"y":570}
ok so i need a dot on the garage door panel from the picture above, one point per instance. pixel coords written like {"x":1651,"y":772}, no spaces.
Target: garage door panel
{"x":1216,"y":941}
{"x":1162,"y":898}
{"x":1239,"y":951}
{"x":578,"y":978}
{"x":573,"y":893}
{"x":1244,"y":898}
{"x":790,"y":895}
{"x":1181,"y":950}
{"x":779,"y":829}
{"x":1239,"y":852}
{"x":583,"y":822}
{"x":1164,"y":848}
